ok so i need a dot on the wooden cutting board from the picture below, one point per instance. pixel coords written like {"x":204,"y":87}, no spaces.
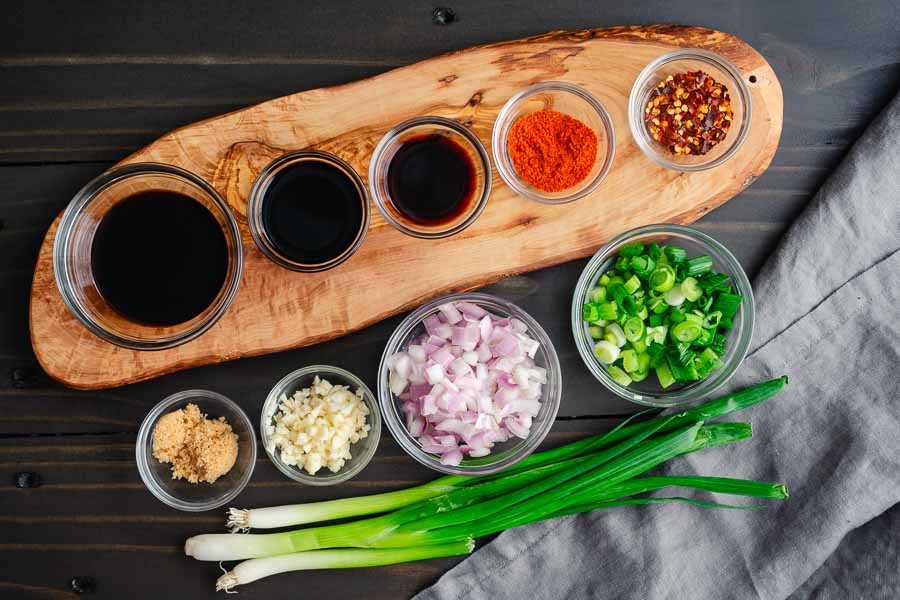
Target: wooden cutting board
{"x":276,"y":309}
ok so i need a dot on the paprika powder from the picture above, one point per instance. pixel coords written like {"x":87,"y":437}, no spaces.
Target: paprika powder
{"x":551,"y":151}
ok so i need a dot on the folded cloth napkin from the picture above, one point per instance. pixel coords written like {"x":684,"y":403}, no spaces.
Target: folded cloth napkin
{"x":828,"y":305}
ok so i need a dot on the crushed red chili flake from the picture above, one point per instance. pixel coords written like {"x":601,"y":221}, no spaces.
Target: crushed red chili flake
{"x":689,"y":113}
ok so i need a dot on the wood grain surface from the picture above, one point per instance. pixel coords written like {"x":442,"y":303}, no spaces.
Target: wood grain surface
{"x":276,"y":309}
{"x":82,"y":89}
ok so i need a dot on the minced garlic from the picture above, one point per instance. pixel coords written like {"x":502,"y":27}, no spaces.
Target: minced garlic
{"x":316,"y":425}
{"x":199,"y":449}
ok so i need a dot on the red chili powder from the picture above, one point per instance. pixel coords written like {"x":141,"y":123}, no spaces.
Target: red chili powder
{"x":551,"y":151}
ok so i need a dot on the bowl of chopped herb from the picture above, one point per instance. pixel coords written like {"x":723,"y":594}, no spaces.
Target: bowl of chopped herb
{"x":689,"y":110}
{"x":663,"y":315}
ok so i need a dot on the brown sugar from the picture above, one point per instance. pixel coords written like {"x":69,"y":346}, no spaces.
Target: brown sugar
{"x":198,"y":448}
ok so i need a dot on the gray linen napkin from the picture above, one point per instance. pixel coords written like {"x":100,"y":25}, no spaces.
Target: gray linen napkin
{"x":828,"y":316}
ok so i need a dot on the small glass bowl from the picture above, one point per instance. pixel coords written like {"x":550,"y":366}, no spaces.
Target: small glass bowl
{"x":570,"y":100}
{"x":257,"y":197}
{"x":362,"y":451}
{"x":75,"y":236}
{"x":421,"y":126}
{"x":695,"y":243}
{"x":502,"y":455}
{"x":196,"y":497}
{"x":681,"y":61}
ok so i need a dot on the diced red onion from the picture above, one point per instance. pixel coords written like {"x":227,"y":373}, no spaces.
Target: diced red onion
{"x":468,"y":382}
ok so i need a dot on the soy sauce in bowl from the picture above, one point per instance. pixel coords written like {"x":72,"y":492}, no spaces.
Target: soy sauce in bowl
{"x":308,"y":211}
{"x":431,"y":179}
{"x":159,"y":258}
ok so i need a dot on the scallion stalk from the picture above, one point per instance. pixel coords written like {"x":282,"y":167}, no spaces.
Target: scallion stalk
{"x":344,"y":558}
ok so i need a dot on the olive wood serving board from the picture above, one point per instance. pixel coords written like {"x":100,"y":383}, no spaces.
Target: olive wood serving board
{"x":276,"y":309}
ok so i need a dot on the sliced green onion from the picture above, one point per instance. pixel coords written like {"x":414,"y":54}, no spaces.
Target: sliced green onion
{"x":655,"y":320}
{"x":597,"y":294}
{"x":596,"y":332}
{"x":725,"y":323}
{"x":618,"y":334}
{"x":727,"y":304}
{"x":604,"y":280}
{"x":606,"y":311}
{"x":662,"y":279}
{"x":686,"y":372}
{"x":631,"y":249}
{"x":686,"y":331}
{"x":643,"y":265}
{"x":675,"y":254}
{"x":654,"y":251}
{"x":606,"y":352}
{"x":675,"y":316}
{"x":664,"y":375}
{"x":623,"y":263}
{"x":698,"y":265}
{"x":643,"y":313}
{"x":619,"y":376}
{"x":634,"y":329}
{"x":629,"y":361}
{"x":640,"y":345}
{"x":590,"y":312}
{"x":657,"y":334}
{"x":715,"y":282}
{"x":633,"y":284}
{"x":658,"y":305}
{"x":682,"y":353}
{"x":712,"y":320}
{"x":705,"y":338}
{"x":675,"y":297}
{"x":691,"y":289}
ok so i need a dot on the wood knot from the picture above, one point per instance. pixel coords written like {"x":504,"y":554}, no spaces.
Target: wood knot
{"x":443,"y":15}
{"x":83,"y":584}
{"x":475,"y":100}
{"x":526,"y":221}
{"x":448,"y":79}
{"x":24,"y":377}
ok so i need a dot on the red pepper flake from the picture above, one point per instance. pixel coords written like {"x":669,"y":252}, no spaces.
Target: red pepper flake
{"x":689,"y":113}
{"x":551,"y":150}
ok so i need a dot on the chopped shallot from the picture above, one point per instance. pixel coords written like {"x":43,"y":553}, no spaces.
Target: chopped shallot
{"x":468,"y":382}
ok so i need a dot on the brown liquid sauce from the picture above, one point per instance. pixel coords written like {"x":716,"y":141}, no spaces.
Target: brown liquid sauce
{"x":431,"y":180}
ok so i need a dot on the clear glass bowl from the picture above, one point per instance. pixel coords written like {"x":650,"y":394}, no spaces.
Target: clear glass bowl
{"x":362,"y":451}
{"x":680,"y":61}
{"x":695,"y":243}
{"x":75,"y":236}
{"x":502,"y":455}
{"x":195,"y":497}
{"x":421,"y":126}
{"x":258,"y":193}
{"x":570,"y":100}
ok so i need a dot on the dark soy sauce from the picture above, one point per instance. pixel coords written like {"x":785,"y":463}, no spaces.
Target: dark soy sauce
{"x":431,"y":180}
{"x":159,"y":258}
{"x":312,"y":212}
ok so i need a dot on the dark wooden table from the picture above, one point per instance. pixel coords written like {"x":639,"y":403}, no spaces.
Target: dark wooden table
{"x":84,"y":84}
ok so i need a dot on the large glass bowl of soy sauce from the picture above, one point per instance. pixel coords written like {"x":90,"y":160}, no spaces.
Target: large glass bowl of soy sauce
{"x":430,"y":177}
{"x":148,"y":256}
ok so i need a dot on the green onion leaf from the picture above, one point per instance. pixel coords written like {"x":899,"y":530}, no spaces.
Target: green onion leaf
{"x":698,"y":265}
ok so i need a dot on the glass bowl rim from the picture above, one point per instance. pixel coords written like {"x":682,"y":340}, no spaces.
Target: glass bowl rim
{"x":405,"y":126}
{"x":398,"y":429}
{"x":508,"y":173}
{"x":704,"y":387}
{"x":635,"y":118}
{"x":255,"y":204}
{"x":373,"y":438}
{"x":143,"y":456}
{"x":74,"y":210}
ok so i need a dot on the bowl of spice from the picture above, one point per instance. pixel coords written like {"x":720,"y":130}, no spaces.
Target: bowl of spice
{"x":430,"y":177}
{"x":553,"y":142}
{"x":196,"y":450}
{"x":320,"y":425}
{"x":689,"y":110}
